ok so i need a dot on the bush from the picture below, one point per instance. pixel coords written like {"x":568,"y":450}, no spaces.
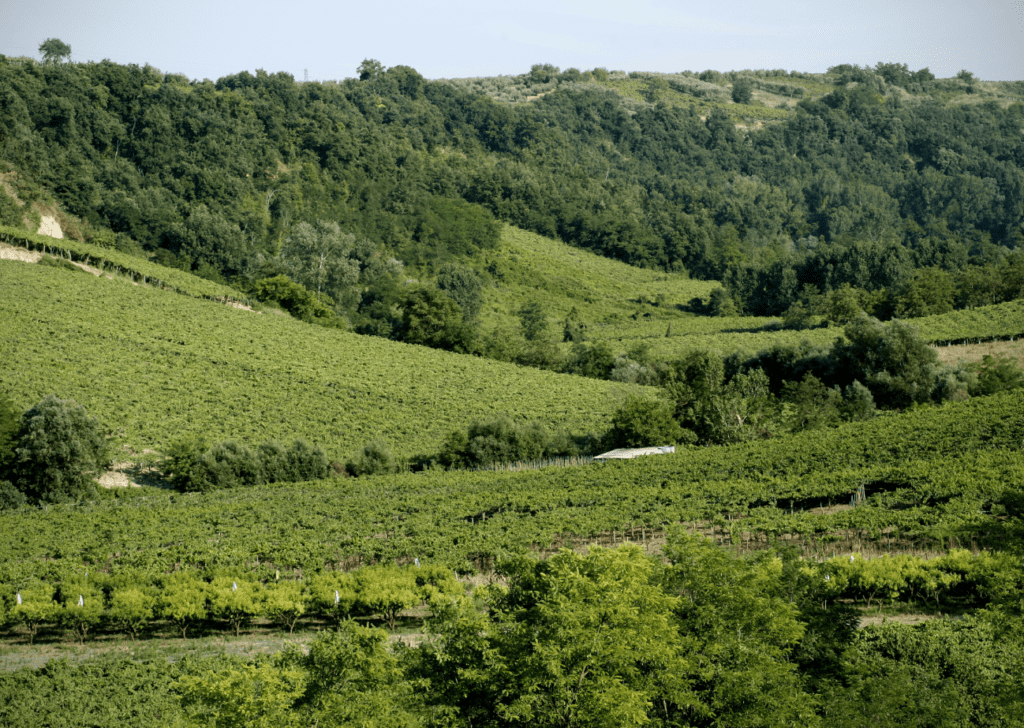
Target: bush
{"x":58,"y":451}
{"x":646,"y":422}
{"x":503,"y":441}
{"x":190,"y":466}
{"x":374,"y":459}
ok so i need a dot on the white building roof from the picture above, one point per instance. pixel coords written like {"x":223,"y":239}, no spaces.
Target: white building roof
{"x":633,"y":452}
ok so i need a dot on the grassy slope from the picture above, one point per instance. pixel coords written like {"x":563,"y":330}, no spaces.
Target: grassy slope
{"x":154,"y":366}
{"x":729,"y":334}
{"x":528,"y":267}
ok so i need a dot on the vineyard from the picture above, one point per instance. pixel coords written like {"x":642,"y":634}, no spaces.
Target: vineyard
{"x":155,"y":367}
{"x":930,"y":480}
{"x":672,"y":338}
{"x":113,"y":262}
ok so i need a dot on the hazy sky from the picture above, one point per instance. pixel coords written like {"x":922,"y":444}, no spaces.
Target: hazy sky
{"x":460,"y":38}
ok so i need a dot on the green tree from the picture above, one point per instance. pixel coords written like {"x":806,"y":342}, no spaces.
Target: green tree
{"x":82,"y":609}
{"x":654,"y":88}
{"x":320,"y":258}
{"x":891,"y":359}
{"x":333,"y":594}
{"x":464,"y":286}
{"x":742,"y":90}
{"x":722,"y":304}
{"x":534,"y":320}
{"x":34,"y":607}
{"x":10,"y":423}
{"x":59,"y":451}
{"x":296,"y":299}
{"x":354,"y":679}
{"x":253,"y":696}
{"x":813,"y":405}
{"x":369,"y":69}
{"x":646,"y":422}
{"x":131,"y":609}
{"x":996,"y":374}
{"x":182,"y":601}
{"x":387,"y":590}
{"x":284,"y":603}
{"x":573,"y":328}
{"x":54,"y":50}
{"x":431,"y":318}
{"x":577,"y":640}
{"x":233,"y":600}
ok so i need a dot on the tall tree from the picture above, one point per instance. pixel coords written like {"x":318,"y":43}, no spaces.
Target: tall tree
{"x":54,"y":50}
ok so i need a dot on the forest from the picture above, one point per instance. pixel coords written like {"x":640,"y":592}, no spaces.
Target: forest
{"x":356,"y":342}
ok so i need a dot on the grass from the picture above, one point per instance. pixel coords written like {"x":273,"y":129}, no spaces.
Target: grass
{"x":528,"y":267}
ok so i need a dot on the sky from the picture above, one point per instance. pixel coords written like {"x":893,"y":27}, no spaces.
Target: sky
{"x":468,"y":38}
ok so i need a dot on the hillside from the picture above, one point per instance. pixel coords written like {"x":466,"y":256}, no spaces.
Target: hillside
{"x":155,"y":366}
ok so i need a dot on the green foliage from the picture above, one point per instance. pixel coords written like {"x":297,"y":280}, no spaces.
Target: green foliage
{"x":534,"y":320}
{"x":11,"y":215}
{"x":814,"y":404}
{"x":742,"y":90}
{"x":82,"y":607}
{"x":10,"y":423}
{"x":54,"y":50}
{"x":374,"y":459}
{"x":431,"y":318}
{"x":59,"y":450}
{"x":192,"y":467}
{"x":182,"y":601}
{"x":37,"y":608}
{"x":354,"y":679}
{"x":594,"y":360}
{"x":995,"y":374}
{"x":109,"y":692}
{"x":503,"y":440}
{"x":10,"y":497}
{"x":284,"y":603}
{"x":294,"y":298}
{"x":646,"y":422}
{"x":131,"y":609}
{"x":891,"y":359}
{"x":721,"y":304}
{"x":369,"y":69}
{"x":320,"y":258}
{"x":942,"y":673}
{"x":333,"y":595}
{"x":233,"y":600}
{"x":261,"y":696}
{"x":464,"y":287}
{"x":387,"y":590}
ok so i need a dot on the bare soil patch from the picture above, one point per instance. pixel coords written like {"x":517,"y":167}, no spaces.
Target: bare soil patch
{"x":11,"y":252}
{"x":50,"y":227}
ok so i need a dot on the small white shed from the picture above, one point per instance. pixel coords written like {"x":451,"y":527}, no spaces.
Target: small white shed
{"x":629,"y":453}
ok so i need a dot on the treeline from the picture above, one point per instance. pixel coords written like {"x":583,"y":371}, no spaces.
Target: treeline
{"x":864,"y":185}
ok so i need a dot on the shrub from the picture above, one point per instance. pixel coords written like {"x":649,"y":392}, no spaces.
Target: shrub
{"x":374,"y":459}
{"x":58,"y":451}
